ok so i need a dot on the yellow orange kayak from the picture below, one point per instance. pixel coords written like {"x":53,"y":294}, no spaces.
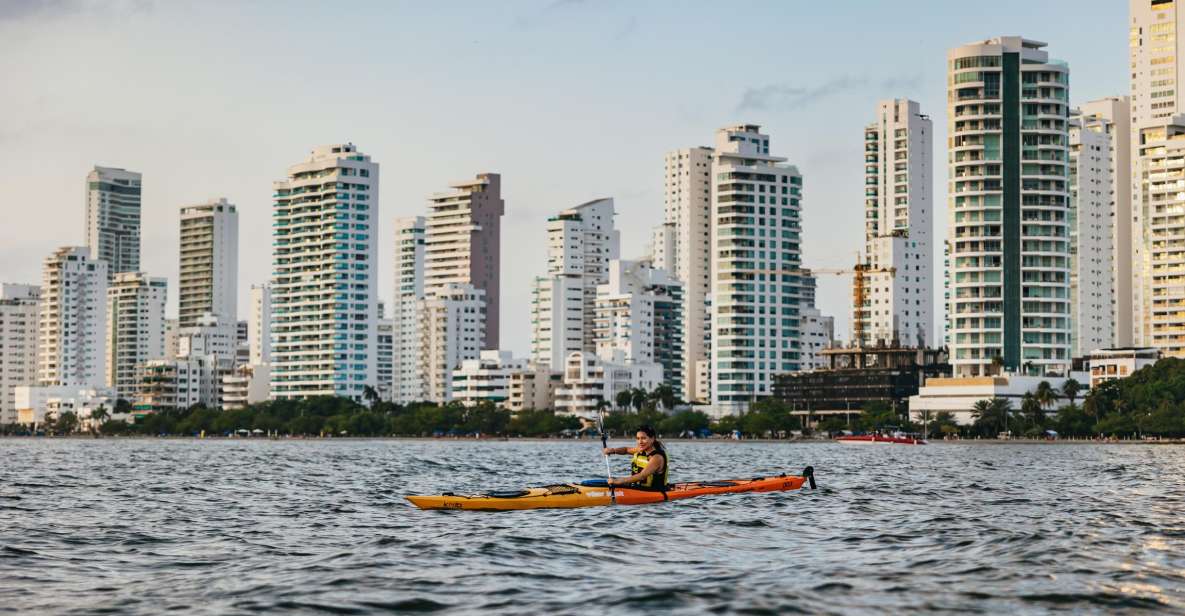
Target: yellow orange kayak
{"x":589,"y":494}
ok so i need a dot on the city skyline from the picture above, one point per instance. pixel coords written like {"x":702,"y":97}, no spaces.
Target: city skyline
{"x":197,"y":123}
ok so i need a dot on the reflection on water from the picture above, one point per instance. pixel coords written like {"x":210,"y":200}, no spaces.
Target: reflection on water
{"x":144,"y":526}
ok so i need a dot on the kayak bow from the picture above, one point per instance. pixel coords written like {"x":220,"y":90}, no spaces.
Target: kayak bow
{"x":595,"y":493}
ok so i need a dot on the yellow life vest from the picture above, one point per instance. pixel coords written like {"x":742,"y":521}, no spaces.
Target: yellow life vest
{"x":656,"y":481}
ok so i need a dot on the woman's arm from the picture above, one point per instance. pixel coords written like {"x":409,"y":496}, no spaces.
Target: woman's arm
{"x":618,"y":450}
{"x":653,"y":466}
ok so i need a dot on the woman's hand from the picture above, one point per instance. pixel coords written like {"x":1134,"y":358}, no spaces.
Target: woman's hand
{"x":612,"y":481}
{"x":607,"y":451}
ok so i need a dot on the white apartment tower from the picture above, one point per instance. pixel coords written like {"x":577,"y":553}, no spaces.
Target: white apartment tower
{"x":1009,"y":208}
{"x":18,"y":344}
{"x":209,"y":273}
{"x":1161,"y":167}
{"x":384,"y":354}
{"x":639,"y":318}
{"x":452,"y":328}
{"x":407,"y":385}
{"x":135,"y":328}
{"x":581,"y":242}
{"x":113,"y":218}
{"x":259,"y":325}
{"x":1091,"y":238}
{"x":898,"y":225}
{"x":683,"y":247}
{"x":72,"y":320}
{"x":1156,"y":67}
{"x":756,"y":268}
{"x":462,"y":243}
{"x":325,"y":279}
{"x":1112,"y":116}
{"x":1157,"y":73}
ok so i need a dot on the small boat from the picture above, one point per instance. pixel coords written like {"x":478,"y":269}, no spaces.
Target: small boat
{"x":881,"y":439}
{"x":596,"y":492}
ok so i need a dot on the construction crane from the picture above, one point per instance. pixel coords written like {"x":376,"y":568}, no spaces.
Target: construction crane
{"x":860,"y":272}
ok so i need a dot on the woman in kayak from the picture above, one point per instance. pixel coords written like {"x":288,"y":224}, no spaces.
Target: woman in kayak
{"x":648,"y":467}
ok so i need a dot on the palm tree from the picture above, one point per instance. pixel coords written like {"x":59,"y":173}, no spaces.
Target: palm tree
{"x":992,"y":413}
{"x":98,"y":416}
{"x":1046,"y":395}
{"x":1070,"y":390}
{"x":1033,"y":410}
{"x":623,"y":399}
{"x":997,"y":364}
{"x":370,"y":395}
{"x":638,"y":398}
{"x":1001,"y":408}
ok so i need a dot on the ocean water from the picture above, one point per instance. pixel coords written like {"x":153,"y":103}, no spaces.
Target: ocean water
{"x":308,"y":527}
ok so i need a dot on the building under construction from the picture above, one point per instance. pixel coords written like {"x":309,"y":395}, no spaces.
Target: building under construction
{"x":856,"y":376}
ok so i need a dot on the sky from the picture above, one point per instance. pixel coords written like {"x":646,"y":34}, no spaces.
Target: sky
{"x":569,"y":100}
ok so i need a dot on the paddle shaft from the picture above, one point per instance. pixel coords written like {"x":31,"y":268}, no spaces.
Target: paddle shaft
{"x":604,"y":446}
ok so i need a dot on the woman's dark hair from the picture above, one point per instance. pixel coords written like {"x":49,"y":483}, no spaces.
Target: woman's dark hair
{"x":648,"y":429}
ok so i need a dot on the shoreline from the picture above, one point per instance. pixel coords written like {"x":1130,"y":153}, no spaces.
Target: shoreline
{"x":536,"y":439}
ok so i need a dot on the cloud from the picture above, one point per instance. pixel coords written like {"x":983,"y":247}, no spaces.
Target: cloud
{"x":29,"y":10}
{"x":785,"y":97}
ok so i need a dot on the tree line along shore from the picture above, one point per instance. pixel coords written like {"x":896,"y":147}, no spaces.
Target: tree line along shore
{"x":1151,"y":402}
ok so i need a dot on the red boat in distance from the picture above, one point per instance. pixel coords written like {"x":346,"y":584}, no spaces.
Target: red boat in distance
{"x":896,"y":438}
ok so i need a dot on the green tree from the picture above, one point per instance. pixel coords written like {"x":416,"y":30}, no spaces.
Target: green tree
{"x":371,"y":395}
{"x":98,"y":417}
{"x":991,"y":416}
{"x":66,"y":423}
{"x":624,"y":399}
{"x":1032,"y":409}
{"x":1070,"y":390}
{"x":637,"y":398}
{"x":1046,"y":395}
{"x":941,"y":422}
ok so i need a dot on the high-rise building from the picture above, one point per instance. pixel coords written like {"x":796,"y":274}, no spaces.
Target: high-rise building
{"x":242,"y":343}
{"x":581,"y":241}
{"x":259,"y":326}
{"x":639,"y":318}
{"x":452,"y":327}
{"x":1157,"y":72}
{"x":462,"y":244}
{"x":898,"y":223}
{"x":818,"y":333}
{"x":406,"y":357}
{"x":1156,"y":66}
{"x":756,"y":268}
{"x":171,"y":384}
{"x":487,"y":379}
{"x":172,"y":339}
{"x":72,"y":321}
{"x":209,"y":275}
{"x":1091,"y":238}
{"x":18,"y":344}
{"x":135,"y":328}
{"x":325,"y":278}
{"x":384,"y":348}
{"x":683,"y":247}
{"x":1112,"y":116}
{"x":209,"y":336}
{"x":1161,"y":160}
{"x":113,"y":218}
{"x":1009,"y":208}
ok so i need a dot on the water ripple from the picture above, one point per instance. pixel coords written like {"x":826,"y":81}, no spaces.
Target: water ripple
{"x":321,"y":527}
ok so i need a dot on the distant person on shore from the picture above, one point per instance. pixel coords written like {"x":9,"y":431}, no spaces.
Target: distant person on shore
{"x":648,"y":467}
